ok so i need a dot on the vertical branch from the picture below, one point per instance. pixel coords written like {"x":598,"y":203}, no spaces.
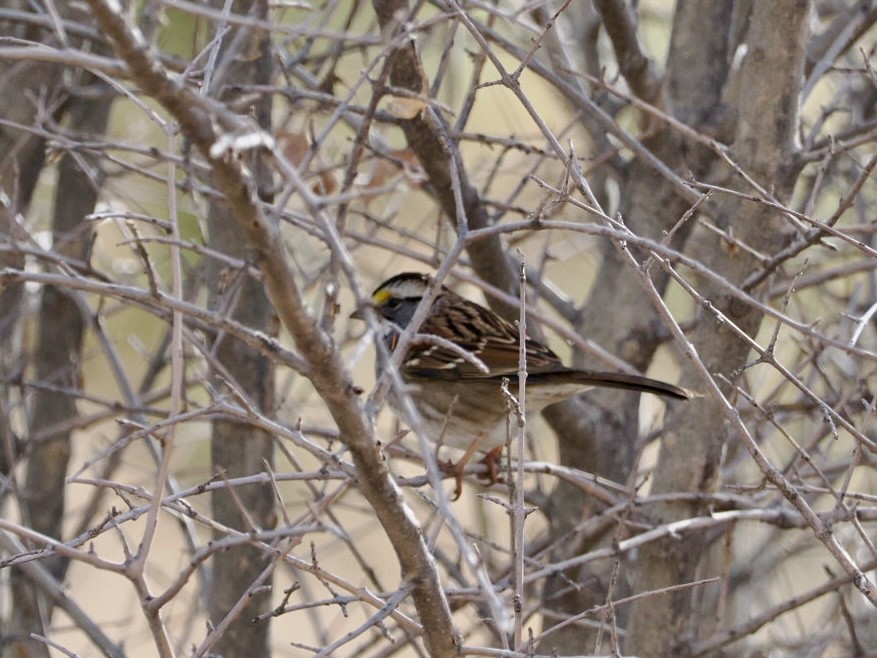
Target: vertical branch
{"x":243,"y":56}
{"x":58,"y":351}
{"x":520,"y":514}
{"x":601,"y":437}
{"x":690,"y":456}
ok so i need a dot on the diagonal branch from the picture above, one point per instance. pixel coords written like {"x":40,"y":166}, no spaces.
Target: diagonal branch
{"x":620,"y":22}
{"x":427,"y":136}
{"x":198,"y":121}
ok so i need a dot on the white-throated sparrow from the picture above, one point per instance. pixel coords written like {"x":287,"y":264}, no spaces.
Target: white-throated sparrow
{"x":462,"y":406}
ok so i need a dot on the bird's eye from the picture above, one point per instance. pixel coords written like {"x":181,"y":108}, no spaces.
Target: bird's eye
{"x":393,"y":303}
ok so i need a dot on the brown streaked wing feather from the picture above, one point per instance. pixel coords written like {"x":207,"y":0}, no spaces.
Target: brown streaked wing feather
{"x":484,"y":334}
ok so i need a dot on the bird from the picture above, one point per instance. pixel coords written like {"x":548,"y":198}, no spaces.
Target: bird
{"x":457,"y":361}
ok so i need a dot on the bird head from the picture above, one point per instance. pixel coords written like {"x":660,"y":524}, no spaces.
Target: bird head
{"x":396,"y":299}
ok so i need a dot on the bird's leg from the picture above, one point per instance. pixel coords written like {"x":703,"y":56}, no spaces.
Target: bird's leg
{"x":490,"y":460}
{"x":456,"y":469}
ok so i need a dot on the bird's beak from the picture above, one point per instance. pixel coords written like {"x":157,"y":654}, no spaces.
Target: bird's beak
{"x":360,"y":312}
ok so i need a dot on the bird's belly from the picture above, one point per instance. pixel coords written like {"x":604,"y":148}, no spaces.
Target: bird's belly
{"x":468,"y":411}
{"x":460,"y":414}
{"x":460,"y":427}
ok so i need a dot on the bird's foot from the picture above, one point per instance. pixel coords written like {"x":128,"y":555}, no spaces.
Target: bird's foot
{"x":457,"y":469}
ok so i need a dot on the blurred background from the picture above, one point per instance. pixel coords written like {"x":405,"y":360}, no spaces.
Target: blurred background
{"x":688,"y":187}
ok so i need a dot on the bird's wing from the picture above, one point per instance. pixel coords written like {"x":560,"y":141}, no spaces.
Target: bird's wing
{"x":483,"y":335}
